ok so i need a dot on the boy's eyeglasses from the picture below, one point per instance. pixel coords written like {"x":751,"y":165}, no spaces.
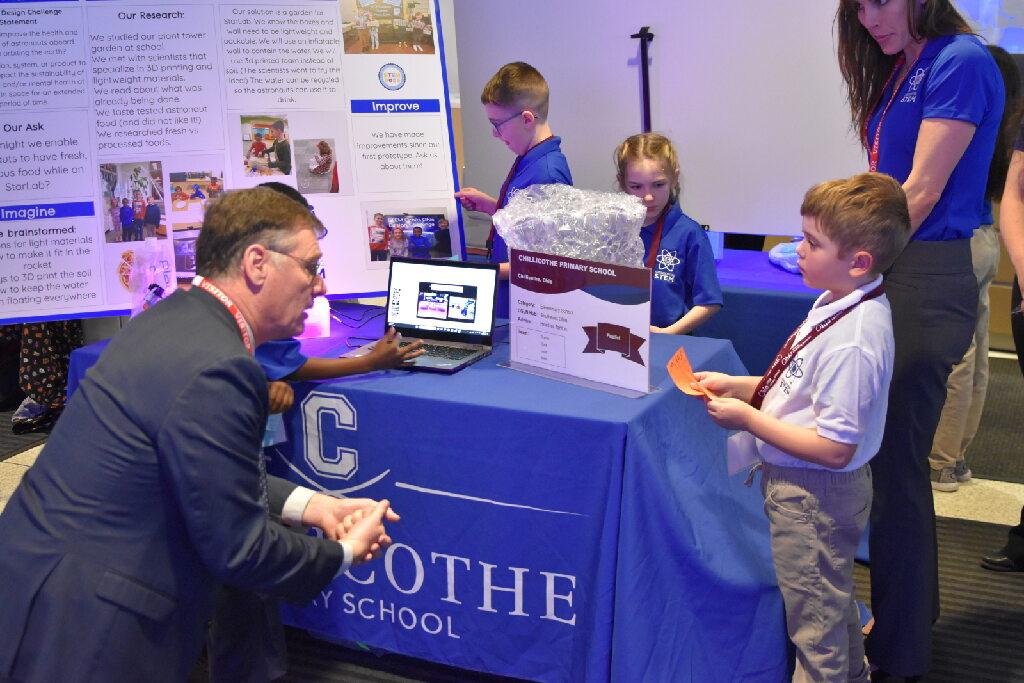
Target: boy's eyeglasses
{"x":497,"y":125}
{"x":313,"y":268}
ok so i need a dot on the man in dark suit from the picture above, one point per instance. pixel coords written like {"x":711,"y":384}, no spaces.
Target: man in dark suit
{"x":150,"y":493}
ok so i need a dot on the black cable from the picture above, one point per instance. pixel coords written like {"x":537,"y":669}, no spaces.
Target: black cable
{"x":367,"y":316}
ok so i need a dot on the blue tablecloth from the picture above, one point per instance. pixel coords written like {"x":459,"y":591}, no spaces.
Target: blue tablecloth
{"x":549,"y":532}
{"x":80,"y":361}
{"x":762,"y":305}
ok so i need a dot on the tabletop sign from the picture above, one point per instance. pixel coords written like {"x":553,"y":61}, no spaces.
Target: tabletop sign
{"x":581,"y":321}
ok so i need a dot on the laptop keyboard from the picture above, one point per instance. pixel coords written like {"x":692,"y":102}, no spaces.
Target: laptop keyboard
{"x":449,"y":352}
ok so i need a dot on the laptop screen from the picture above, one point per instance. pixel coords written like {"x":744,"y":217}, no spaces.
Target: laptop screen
{"x":442,"y":299}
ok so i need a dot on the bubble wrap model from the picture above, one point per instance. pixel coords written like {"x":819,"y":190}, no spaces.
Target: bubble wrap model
{"x":568,"y":221}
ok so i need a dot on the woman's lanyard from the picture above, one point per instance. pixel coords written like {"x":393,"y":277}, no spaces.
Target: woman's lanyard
{"x":790,"y":349}
{"x":652,"y":255}
{"x":243,"y":326}
{"x":873,"y":150}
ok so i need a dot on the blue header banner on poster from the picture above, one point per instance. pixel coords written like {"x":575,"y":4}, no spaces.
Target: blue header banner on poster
{"x":396,"y":106}
{"x":34,"y":212}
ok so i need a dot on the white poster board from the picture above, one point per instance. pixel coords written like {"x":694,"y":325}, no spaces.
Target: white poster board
{"x":580,"y":321}
{"x":166,"y":105}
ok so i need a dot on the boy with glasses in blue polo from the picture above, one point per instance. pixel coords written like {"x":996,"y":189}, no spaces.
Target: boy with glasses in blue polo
{"x":516,"y":104}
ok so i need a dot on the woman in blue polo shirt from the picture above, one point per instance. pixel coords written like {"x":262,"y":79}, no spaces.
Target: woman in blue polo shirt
{"x":927,"y":98}
{"x":684,"y":285}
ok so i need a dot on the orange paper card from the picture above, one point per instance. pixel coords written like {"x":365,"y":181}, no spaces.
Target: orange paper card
{"x":682,"y":374}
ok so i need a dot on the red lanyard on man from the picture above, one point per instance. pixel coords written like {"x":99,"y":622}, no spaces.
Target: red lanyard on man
{"x":243,"y":326}
{"x":790,"y":349}
{"x":652,"y":255}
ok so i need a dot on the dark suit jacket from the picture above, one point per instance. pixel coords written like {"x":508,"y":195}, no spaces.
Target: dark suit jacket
{"x":144,"y":500}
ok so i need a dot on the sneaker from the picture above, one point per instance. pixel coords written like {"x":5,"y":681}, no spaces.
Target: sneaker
{"x":962,"y":472}
{"x":944,"y":480}
{"x":28,"y":410}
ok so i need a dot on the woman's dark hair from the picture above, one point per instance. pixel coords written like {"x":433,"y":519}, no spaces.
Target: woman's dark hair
{"x":1009,"y":126}
{"x":863,"y":65}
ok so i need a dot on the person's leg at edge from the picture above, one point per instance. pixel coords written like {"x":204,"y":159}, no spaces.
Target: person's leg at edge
{"x":985,"y":254}
{"x":1011,"y":557}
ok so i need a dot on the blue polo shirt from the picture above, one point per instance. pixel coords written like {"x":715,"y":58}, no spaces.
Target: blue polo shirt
{"x":419,"y":247}
{"x":955,"y":78}
{"x":279,"y":358}
{"x":684,"y":272}
{"x":987,"y":217}
{"x":542,"y":165}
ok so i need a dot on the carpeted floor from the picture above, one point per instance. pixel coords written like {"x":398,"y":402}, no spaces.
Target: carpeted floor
{"x":997,"y":452}
{"x":315,"y":661}
{"x":981,"y":629}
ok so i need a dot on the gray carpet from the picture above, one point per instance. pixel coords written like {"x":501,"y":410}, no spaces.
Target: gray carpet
{"x":979,"y":634}
{"x":315,"y":661}
{"x":997,"y":452}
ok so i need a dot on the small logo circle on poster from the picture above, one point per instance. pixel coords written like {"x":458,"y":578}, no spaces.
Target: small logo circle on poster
{"x":391,"y":76}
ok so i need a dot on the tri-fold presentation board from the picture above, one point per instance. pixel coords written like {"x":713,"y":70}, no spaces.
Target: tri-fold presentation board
{"x":121,"y":121}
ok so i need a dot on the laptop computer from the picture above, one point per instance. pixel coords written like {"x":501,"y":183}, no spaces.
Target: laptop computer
{"x":449,"y":305}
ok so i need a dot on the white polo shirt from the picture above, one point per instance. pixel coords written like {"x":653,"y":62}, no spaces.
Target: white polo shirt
{"x":839,"y":383}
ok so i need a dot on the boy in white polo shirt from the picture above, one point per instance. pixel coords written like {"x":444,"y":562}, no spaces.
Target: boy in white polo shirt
{"x":815,"y":419}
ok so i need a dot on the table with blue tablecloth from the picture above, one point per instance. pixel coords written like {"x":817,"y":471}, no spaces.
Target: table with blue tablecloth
{"x":549,"y":531}
{"x":763,"y":304}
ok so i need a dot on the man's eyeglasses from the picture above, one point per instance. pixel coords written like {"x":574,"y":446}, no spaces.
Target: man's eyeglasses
{"x":497,"y":125}
{"x":313,"y":268}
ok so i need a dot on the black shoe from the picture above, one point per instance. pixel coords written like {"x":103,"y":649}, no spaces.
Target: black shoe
{"x":999,"y":562}
{"x":41,"y":424}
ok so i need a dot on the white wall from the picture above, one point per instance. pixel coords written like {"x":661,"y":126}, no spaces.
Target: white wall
{"x":749,"y":91}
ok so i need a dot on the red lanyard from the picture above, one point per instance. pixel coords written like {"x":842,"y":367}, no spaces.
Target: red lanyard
{"x":789,"y":350}
{"x":243,"y":327}
{"x":503,"y":194}
{"x":652,"y":255}
{"x":873,"y":149}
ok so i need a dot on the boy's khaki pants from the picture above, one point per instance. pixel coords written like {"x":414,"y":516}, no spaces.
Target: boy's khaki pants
{"x":816,"y":519}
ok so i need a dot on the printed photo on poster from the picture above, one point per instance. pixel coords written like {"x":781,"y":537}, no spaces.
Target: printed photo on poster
{"x":421,"y":232}
{"x":138,"y":274}
{"x":190,"y":193}
{"x":133,"y":199}
{"x":317,"y":168}
{"x":387,"y":27}
{"x":266,"y":147}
